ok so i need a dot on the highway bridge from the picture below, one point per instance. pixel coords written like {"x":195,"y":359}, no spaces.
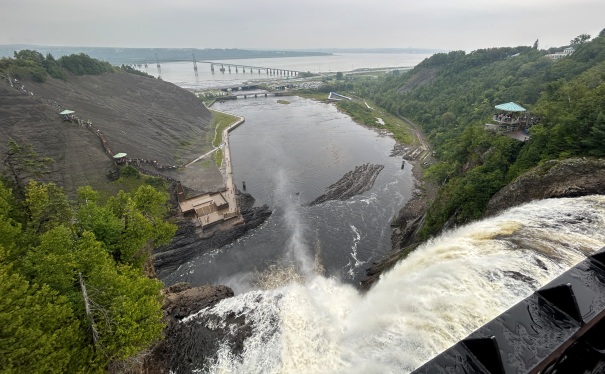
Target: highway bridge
{"x":237,"y":68}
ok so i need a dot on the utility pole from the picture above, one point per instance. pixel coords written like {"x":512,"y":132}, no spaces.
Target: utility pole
{"x":194,"y":64}
{"x":157,"y":60}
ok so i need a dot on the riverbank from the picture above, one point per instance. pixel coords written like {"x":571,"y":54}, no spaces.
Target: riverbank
{"x":414,"y":149}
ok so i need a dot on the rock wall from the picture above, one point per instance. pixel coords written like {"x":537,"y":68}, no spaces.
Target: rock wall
{"x":180,"y":300}
{"x":566,"y":178}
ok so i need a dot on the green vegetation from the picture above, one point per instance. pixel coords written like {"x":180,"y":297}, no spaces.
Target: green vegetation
{"x":218,"y":157}
{"x":28,"y":64}
{"x":131,"y":70}
{"x":130,"y":180}
{"x":451,"y":95}
{"x":220,"y":121}
{"x":82,"y":64}
{"x":74,"y":297}
{"x":369,"y":117}
{"x":283,"y":102}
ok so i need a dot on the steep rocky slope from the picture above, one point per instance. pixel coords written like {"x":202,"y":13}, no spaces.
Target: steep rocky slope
{"x":143,"y":117}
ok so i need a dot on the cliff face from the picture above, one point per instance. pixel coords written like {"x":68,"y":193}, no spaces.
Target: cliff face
{"x":143,"y":117}
{"x":181,"y":301}
{"x":567,"y":178}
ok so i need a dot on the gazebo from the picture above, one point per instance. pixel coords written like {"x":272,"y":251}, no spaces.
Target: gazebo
{"x":67,"y":114}
{"x":120,"y":157}
{"x":510,"y":107}
{"x":509,"y":116}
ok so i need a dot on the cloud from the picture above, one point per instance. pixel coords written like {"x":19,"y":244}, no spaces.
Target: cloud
{"x":461,"y":24}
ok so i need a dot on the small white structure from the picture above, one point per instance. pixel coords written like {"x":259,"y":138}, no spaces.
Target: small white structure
{"x":557,"y":55}
{"x":335,"y":96}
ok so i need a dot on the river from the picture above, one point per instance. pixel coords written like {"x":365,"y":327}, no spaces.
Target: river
{"x":182,"y":73}
{"x":295,"y":276}
{"x":288,"y":154}
{"x":442,"y":292}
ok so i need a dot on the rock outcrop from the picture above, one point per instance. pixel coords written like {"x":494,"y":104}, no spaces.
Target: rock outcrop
{"x":557,"y":178}
{"x":403,"y":239}
{"x":180,"y":301}
{"x":566,"y":178}
{"x":355,"y":182}
{"x":186,"y":243}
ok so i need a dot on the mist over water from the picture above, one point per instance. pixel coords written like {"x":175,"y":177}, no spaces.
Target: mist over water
{"x":297,"y":252}
{"x":442,"y":292}
{"x":288,"y":154}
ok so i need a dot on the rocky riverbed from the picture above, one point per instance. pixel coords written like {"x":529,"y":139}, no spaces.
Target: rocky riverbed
{"x":355,"y":182}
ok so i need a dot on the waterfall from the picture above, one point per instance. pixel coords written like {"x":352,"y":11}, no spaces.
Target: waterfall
{"x":438,"y":295}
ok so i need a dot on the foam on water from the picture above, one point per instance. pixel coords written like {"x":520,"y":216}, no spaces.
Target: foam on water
{"x":439,"y":294}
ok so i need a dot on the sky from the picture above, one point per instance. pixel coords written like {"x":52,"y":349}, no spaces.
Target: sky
{"x":304,"y":24}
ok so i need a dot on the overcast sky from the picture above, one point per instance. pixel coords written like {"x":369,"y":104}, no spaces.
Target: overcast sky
{"x":286,"y":24}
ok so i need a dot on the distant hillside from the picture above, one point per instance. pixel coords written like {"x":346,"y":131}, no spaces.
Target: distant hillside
{"x":144,"y":117}
{"x":119,"y":56}
{"x":452,"y":95}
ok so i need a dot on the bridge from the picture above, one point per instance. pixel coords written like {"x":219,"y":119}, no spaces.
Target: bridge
{"x":558,"y":329}
{"x":239,"y":67}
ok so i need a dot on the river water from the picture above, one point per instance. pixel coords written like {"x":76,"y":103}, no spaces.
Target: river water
{"x":442,"y":292}
{"x":295,"y":276}
{"x":182,"y":73}
{"x":288,"y":154}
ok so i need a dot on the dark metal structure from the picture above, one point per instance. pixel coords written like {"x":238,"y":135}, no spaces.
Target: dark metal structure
{"x":558,"y":329}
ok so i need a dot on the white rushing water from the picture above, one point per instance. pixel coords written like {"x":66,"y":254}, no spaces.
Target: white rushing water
{"x":442,"y":292}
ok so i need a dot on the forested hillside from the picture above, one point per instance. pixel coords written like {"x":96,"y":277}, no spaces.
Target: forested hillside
{"x":452,"y":95}
{"x":568,"y":95}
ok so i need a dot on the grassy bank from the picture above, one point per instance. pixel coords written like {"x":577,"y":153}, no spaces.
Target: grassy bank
{"x":370,"y":117}
{"x":220,"y":121}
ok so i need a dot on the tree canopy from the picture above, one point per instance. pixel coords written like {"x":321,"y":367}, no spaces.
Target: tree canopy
{"x":29,"y":64}
{"x":452,"y":95}
{"x":74,"y":294}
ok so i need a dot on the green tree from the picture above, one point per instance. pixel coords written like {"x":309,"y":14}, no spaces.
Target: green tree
{"x":580,"y":39}
{"x":38,"y":330}
{"x":67,"y":305}
{"x":596,"y":140}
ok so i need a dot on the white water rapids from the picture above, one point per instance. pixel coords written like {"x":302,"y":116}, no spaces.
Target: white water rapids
{"x":443,"y":291}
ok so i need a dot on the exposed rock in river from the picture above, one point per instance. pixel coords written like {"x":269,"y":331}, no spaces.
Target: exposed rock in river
{"x":355,"y":182}
{"x":186,"y":243}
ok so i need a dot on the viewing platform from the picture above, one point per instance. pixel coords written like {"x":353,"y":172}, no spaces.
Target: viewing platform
{"x":514,"y":119}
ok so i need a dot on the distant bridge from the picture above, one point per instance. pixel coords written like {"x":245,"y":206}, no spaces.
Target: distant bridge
{"x":239,"y":67}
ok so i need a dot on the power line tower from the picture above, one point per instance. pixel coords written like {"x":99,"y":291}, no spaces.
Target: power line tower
{"x":194,"y":64}
{"x":157,"y":60}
